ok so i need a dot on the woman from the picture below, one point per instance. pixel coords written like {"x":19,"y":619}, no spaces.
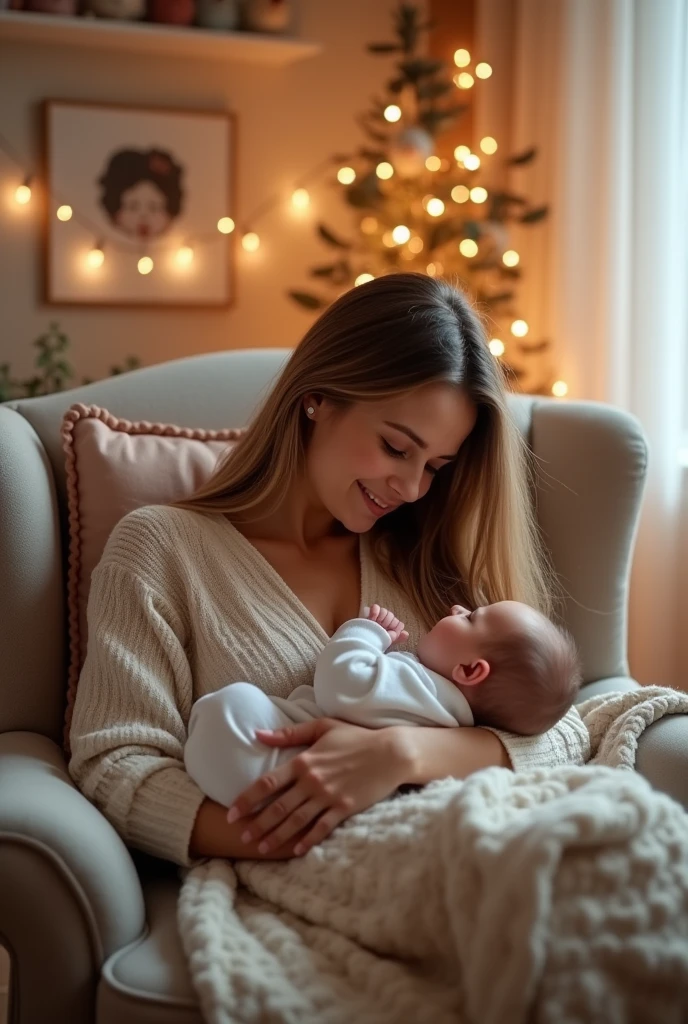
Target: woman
{"x":383,"y":467}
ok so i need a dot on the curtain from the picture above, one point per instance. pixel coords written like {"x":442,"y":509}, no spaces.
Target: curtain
{"x":601,"y":88}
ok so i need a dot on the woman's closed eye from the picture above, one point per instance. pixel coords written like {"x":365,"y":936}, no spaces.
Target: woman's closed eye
{"x":397,"y":453}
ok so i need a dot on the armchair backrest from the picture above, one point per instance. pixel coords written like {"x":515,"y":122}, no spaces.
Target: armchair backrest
{"x":591,"y":467}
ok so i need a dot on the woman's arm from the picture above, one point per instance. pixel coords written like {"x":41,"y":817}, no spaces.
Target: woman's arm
{"x":433,"y":753}
{"x":213,"y":836}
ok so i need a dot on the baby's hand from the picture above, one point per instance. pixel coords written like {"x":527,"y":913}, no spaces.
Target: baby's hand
{"x":388,"y":621}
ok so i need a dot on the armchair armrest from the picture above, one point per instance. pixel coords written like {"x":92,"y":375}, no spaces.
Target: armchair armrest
{"x":70,"y":894}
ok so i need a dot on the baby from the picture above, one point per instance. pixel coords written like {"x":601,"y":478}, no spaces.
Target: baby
{"x":503,"y":665}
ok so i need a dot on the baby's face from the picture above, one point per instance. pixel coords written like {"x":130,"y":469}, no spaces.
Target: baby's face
{"x":463,"y":637}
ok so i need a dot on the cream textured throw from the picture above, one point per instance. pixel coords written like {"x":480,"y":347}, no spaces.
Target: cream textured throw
{"x":549,"y":896}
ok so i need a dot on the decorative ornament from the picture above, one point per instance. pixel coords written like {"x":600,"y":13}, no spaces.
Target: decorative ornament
{"x":124,"y":10}
{"x":267,"y":15}
{"x":410,"y":150}
{"x":172,"y":12}
{"x":217,"y":14}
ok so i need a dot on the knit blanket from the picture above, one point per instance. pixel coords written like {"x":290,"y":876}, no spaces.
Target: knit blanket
{"x":551,"y":896}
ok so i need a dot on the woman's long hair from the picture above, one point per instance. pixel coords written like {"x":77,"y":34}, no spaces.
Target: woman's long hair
{"x":472,"y":539}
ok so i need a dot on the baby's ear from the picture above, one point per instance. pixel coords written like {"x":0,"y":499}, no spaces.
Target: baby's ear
{"x":471,"y":675}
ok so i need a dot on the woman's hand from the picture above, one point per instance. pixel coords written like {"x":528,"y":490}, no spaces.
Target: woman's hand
{"x":347,"y":769}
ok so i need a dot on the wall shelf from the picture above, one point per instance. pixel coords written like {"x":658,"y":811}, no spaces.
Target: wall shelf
{"x":142,"y":37}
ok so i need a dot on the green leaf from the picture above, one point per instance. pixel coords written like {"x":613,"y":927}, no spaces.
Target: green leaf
{"x":523,"y":158}
{"x":325,"y":270}
{"x":383,"y":48}
{"x":433,"y":90}
{"x":331,"y":239}
{"x":420,"y":67}
{"x":63,"y":368}
{"x":44,"y":359}
{"x":307,"y":300}
{"x":499,"y":297}
{"x":395,"y":85}
{"x":532,"y":216}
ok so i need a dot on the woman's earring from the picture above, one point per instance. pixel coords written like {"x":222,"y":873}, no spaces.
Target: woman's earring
{"x":310,"y":410}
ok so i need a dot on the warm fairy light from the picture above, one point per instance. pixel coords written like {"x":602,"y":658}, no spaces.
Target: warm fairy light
{"x":300,"y":199}
{"x":384,"y":170}
{"x":435,"y":207}
{"x":560,"y":389}
{"x":184,"y":256}
{"x":145,"y":265}
{"x":483,"y":70}
{"x":401,"y":234}
{"x":461,"y":152}
{"x":464,"y":80}
{"x":369,"y":225}
{"x":362,"y":278}
{"x":64,"y":212}
{"x":392,"y":112}
{"x":250,"y":241}
{"x":510,"y":258}
{"x":467,"y":247}
{"x":478,"y":194}
{"x":388,"y":240}
{"x":519,"y":328}
{"x":95,"y":258}
{"x":462,"y":58}
{"x":496,"y":347}
{"x":488,"y":145}
{"x":460,"y":194}
{"x":345,"y":175}
{"x":226,"y":225}
{"x":434,"y":269}
{"x":416,"y":244}
{"x":22,"y":195}
{"x":471,"y":162}
{"x":433,"y":163}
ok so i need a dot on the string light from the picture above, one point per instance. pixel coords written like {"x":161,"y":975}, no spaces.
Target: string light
{"x":510,"y":258}
{"x":519,"y":328}
{"x":401,"y":234}
{"x":478,"y":194}
{"x":483,"y":70}
{"x":464,"y":80}
{"x":460,"y":194}
{"x":95,"y":257}
{"x":23,"y":194}
{"x":435,"y":207}
{"x":433,"y":163}
{"x":461,"y":152}
{"x":300,"y":199}
{"x":250,"y":241}
{"x":64,"y":213}
{"x":226,"y":225}
{"x":369,"y":225}
{"x":345,"y":175}
{"x":392,"y":112}
{"x":467,"y":247}
{"x":145,"y":265}
{"x":416,"y":244}
{"x":471,"y":162}
{"x":384,"y":170}
{"x":435,"y":269}
{"x":362,"y":278}
{"x":388,"y":240}
{"x":462,"y":58}
{"x":184,"y":256}
{"x":496,"y":346}
{"x":560,"y":389}
{"x":488,"y":145}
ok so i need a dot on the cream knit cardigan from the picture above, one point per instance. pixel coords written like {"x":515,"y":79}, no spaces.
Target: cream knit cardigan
{"x":180,"y":605}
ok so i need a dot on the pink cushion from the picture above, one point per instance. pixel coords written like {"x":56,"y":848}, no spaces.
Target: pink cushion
{"x":114,"y":466}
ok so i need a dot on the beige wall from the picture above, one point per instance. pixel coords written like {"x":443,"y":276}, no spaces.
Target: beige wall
{"x":288,"y":119}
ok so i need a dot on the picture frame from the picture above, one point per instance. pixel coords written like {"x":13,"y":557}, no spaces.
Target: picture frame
{"x":134,"y":197}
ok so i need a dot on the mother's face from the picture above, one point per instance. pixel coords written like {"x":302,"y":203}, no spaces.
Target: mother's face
{"x":366,"y":460}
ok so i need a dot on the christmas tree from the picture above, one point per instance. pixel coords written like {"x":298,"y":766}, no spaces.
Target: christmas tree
{"x":415,"y":211}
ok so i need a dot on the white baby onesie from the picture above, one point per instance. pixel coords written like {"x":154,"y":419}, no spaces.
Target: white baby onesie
{"x":355,"y":680}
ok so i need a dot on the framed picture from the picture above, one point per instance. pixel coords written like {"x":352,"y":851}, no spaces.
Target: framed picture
{"x":137,"y":202}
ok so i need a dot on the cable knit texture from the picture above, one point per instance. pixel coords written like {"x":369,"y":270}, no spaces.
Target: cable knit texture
{"x":553,"y":896}
{"x":180,"y":605}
